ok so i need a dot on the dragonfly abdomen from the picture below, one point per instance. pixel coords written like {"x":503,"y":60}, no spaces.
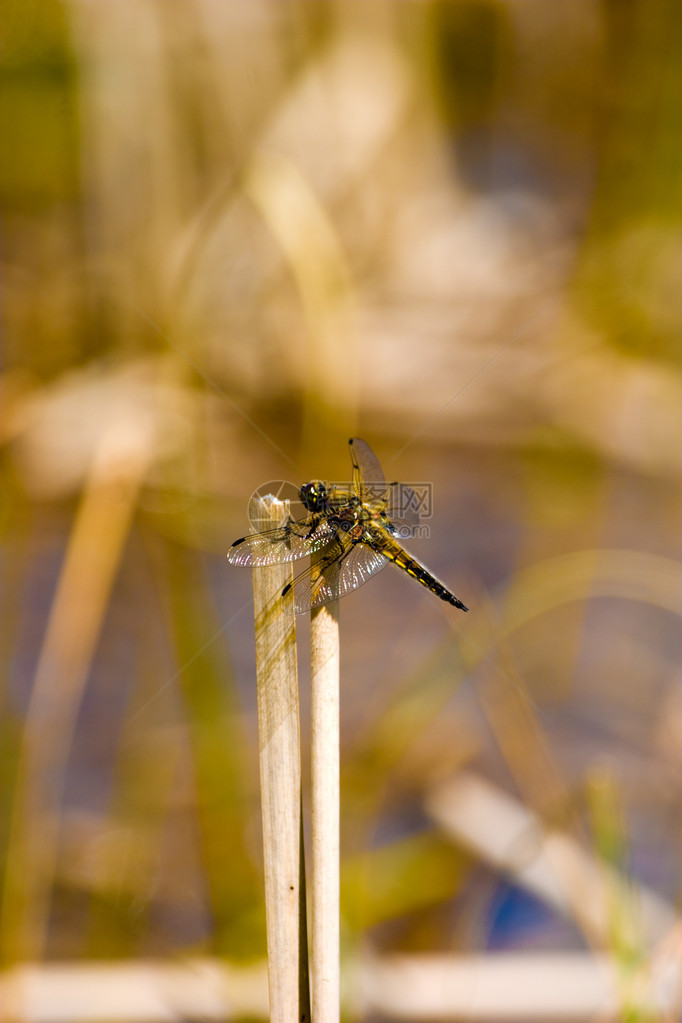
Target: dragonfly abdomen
{"x":399,"y":556}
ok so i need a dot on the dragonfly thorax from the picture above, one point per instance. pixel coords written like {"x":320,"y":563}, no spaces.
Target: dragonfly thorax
{"x":314,"y":496}
{"x":349,"y":530}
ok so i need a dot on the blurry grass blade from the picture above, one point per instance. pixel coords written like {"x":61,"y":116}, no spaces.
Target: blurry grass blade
{"x":611,"y":846}
{"x":92,"y":558}
{"x":580,"y":575}
{"x":548,"y":862}
{"x":135,"y":991}
{"x":313,"y":251}
{"x":223,"y":794}
{"x":533,"y":986}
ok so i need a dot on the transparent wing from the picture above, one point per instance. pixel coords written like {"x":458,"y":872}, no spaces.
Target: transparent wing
{"x":368,"y":479}
{"x":402,"y":505}
{"x":285,"y":543}
{"x":346,"y":566}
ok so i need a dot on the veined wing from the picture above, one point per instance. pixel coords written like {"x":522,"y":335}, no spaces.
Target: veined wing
{"x":402,"y":505}
{"x":368,"y":479}
{"x":289,"y":542}
{"x":340,"y":570}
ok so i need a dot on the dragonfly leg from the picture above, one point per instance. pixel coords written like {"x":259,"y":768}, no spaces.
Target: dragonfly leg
{"x":314,"y":524}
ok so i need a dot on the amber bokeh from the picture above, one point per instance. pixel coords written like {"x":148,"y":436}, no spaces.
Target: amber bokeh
{"x":234,"y":235}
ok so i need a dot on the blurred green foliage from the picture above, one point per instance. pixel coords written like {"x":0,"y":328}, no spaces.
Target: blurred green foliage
{"x":289,"y":221}
{"x":39,"y":110}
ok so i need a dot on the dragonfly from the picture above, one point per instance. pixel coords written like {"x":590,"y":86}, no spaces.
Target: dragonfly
{"x":351,"y":531}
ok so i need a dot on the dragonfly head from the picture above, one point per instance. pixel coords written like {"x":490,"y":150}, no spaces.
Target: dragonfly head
{"x":314,"y":495}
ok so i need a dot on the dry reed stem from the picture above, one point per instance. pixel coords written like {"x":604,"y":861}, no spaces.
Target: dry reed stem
{"x":324,"y":653}
{"x":280,"y":776}
{"x":94,"y":551}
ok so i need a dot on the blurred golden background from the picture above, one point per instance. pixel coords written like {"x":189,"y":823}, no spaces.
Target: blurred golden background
{"x":233,"y":235}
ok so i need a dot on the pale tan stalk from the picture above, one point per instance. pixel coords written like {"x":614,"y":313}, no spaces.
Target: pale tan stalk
{"x":280,"y":775}
{"x":325,"y":813}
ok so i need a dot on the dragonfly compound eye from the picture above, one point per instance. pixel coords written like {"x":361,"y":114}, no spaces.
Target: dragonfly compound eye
{"x":314,"y":495}
{"x":356,"y":527}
